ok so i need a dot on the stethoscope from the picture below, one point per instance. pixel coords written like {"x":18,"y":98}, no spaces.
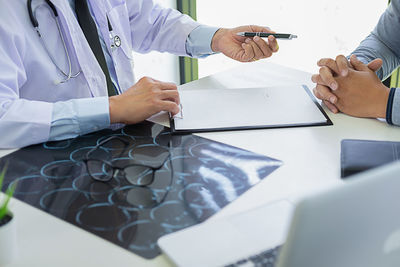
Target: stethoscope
{"x":115,"y":40}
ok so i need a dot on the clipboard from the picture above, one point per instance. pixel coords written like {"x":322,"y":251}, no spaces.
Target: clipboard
{"x":212,"y":110}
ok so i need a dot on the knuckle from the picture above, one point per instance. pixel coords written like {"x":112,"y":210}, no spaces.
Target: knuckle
{"x":322,"y":90}
{"x":340,"y":57}
{"x":322,"y":70}
{"x":145,"y":79}
{"x":154,"y":93}
{"x":314,"y":78}
{"x":329,"y":63}
{"x":323,"y":61}
{"x":325,"y":72}
{"x":172,"y":86}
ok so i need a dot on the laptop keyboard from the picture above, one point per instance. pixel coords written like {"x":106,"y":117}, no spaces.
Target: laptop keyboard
{"x":264,"y":259}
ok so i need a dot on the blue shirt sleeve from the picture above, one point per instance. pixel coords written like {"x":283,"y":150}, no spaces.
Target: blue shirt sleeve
{"x":198,"y":44}
{"x":384,"y":43}
{"x":396,"y":108}
{"x":393,"y":107}
{"x":78,"y":117}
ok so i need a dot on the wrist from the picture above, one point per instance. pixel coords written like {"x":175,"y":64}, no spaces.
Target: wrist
{"x":216,"y":40}
{"x":114,"y":110}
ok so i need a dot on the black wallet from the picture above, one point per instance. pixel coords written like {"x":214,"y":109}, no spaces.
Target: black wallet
{"x":362,"y":155}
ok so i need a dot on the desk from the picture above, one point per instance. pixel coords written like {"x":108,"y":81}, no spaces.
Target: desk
{"x":311,"y":159}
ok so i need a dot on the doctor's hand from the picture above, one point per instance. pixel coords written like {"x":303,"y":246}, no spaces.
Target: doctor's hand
{"x":244,"y":49}
{"x":360,"y":93}
{"x":329,"y":70}
{"x":143,"y":100}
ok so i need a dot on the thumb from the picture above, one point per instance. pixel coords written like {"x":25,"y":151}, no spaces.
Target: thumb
{"x":357,"y":64}
{"x":375,"y":64}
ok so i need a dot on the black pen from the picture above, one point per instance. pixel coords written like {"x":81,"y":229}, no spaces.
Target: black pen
{"x":287,"y":36}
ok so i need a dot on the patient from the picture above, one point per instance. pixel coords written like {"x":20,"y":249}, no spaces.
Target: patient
{"x":353,"y":85}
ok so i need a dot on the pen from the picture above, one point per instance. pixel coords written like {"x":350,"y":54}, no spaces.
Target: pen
{"x":265,"y":35}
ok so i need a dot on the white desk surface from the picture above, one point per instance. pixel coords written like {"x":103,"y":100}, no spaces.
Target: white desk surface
{"x":311,"y":159}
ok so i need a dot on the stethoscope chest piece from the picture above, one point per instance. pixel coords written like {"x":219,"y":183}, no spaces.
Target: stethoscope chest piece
{"x":117,"y":41}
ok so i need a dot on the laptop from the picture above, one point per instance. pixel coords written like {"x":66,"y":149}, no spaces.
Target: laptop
{"x":356,"y":224}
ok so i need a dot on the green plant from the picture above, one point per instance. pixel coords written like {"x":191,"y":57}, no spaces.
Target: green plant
{"x":9,"y":194}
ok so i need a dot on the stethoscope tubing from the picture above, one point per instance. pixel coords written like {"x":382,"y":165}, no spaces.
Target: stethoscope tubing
{"x":115,"y":40}
{"x":35,"y":25}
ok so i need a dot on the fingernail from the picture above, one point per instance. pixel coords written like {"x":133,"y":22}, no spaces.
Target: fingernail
{"x":332,"y":100}
{"x":256,"y":38}
{"x":333,"y":86}
{"x":248,"y":40}
{"x":344,"y":72}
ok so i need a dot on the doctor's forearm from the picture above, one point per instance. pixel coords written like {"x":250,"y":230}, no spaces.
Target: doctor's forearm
{"x":77,"y":117}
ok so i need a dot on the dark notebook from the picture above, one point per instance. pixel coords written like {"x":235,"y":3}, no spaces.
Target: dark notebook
{"x":362,"y":155}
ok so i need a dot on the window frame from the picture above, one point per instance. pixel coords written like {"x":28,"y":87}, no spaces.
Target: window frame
{"x":188,"y":67}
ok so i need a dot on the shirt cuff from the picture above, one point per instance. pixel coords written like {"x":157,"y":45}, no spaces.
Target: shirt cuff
{"x":393,"y":107}
{"x":198,"y":43}
{"x":78,"y":117}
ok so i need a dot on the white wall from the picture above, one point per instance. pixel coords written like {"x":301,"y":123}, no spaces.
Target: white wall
{"x":161,"y":66}
{"x":325,"y":28}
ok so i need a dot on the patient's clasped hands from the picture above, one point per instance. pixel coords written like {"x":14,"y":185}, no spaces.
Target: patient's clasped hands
{"x":351,"y":87}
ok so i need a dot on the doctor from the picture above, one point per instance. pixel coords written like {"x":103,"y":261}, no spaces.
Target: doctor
{"x":66,"y":65}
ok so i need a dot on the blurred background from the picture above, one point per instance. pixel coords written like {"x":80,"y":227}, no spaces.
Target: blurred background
{"x":325,"y":28}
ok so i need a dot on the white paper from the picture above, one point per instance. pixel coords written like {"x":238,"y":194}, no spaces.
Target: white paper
{"x":247,"y":107}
